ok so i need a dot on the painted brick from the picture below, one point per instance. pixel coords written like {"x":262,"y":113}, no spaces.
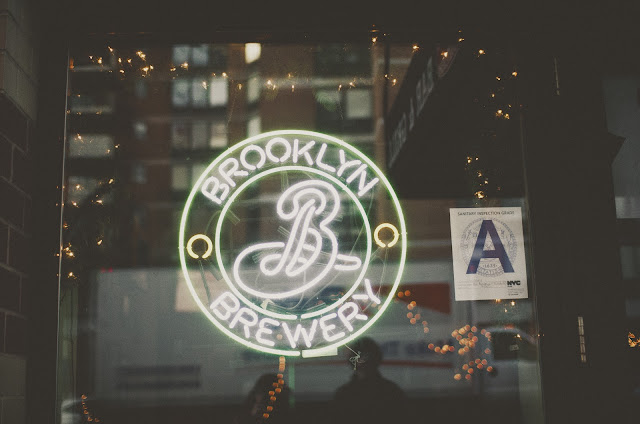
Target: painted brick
{"x":22,"y":171}
{"x":4,"y":242}
{"x":18,"y":250}
{"x":11,"y":203}
{"x":16,"y":335}
{"x":5,"y":157}
{"x":13,"y":124}
{"x":14,"y":369}
{"x":9,"y":290}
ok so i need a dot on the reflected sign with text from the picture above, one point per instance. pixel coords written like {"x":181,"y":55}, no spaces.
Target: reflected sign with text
{"x":292,"y":243}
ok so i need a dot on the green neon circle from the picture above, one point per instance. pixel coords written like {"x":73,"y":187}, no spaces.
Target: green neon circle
{"x":379,"y":175}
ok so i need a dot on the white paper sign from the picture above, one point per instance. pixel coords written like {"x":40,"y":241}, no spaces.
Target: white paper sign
{"x":488,"y":253}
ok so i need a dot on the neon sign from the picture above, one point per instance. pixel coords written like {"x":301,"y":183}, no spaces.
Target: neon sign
{"x":292,"y":243}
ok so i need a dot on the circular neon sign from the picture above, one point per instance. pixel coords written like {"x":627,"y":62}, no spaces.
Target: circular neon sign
{"x":292,"y":243}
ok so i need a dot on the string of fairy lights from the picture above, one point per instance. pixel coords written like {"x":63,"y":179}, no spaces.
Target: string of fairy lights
{"x":277,"y":387}
{"x":495,"y":107}
{"x":88,"y":415}
{"x":466,"y":338}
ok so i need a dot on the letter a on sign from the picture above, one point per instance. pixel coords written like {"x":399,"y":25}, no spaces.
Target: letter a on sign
{"x":487,"y":246}
{"x":479,"y":252}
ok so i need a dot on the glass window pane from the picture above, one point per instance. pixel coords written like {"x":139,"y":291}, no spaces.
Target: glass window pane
{"x":358,"y":104}
{"x":181,"y":54}
{"x":199,"y":134}
{"x":200,"y":55}
{"x":253,"y":126}
{"x":91,"y":145}
{"x":82,"y":189}
{"x":172,"y":270}
{"x":180,"y":134}
{"x":253,"y":89}
{"x":180,"y":177}
{"x":252,"y":52}
{"x":140,"y":130}
{"x":218,"y":135}
{"x":218,"y":91}
{"x":199,"y":93}
{"x":180,"y":94}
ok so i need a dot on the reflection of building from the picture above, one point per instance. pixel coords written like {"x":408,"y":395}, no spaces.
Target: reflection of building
{"x":176,"y":110}
{"x":143,"y":126}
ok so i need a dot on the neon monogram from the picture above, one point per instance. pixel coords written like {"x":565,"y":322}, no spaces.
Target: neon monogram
{"x":301,"y":204}
{"x":295,"y":269}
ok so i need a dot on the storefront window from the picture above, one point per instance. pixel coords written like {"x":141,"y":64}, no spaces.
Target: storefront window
{"x":363,"y":257}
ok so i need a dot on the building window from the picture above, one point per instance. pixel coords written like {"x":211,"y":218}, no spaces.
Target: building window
{"x":192,"y":92}
{"x":180,"y":134}
{"x":358,"y":104}
{"x":253,"y":126}
{"x":191,"y":55}
{"x":347,"y":109}
{"x":200,"y":55}
{"x":252,"y":52}
{"x":253,"y":89}
{"x":218,"y":92}
{"x":140,"y":130}
{"x":198,"y":135}
{"x":180,"y":177}
{"x":91,"y":146}
{"x":180,"y":93}
{"x":198,"y":93}
{"x":218,"y":138}
{"x":180,"y":54}
{"x":184,"y":176}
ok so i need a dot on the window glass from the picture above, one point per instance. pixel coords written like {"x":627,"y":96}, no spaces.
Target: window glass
{"x":252,"y":52}
{"x":91,"y":145}
{"x":382,"y":169}
{"x":200,"y":55}
{"x":253,"y":126}
{"x":218,"y":137}
{"x":358,"y":104}
{"x":180,"y":93}
{"x":199,"y":92}
{"x":199,"y":134}
{"x":253,"y":89}
{"x":140,"y":130}
{"x":218,"y":92}
{"x":180,"y":134}
{"x":181,"y":54}
{"x":620,"y":92}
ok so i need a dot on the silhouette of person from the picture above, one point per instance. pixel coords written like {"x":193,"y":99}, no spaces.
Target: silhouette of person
{"x":369,"y":397}
{"x":267,"y":402}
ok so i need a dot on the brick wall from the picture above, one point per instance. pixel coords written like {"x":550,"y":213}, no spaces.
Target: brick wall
{"x":17,"y":114}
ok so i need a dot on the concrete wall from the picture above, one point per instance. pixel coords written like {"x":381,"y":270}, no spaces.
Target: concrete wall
{"x":17,"y":115}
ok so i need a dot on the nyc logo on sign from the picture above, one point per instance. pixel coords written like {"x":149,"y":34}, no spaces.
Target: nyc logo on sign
{"x":292,"y":243}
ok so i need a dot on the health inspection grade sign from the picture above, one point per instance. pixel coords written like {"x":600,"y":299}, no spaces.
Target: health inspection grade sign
{"x":292,"y":243}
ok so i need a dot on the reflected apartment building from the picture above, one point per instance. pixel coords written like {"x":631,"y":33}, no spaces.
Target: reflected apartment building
{"x":143,"y":126}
